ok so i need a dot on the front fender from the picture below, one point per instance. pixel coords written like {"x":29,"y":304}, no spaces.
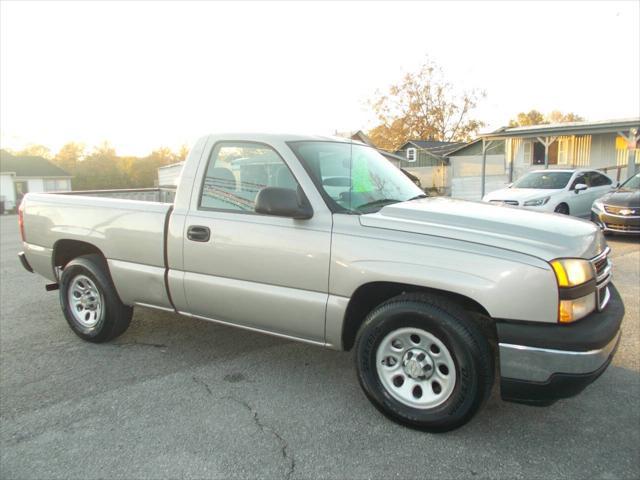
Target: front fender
{"x":504,"y":286}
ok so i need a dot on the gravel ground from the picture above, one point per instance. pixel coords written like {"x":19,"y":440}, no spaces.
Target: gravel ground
{"x":176,"y":397}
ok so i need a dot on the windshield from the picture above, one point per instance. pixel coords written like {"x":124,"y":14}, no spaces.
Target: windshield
{"x":632,"y":184}
{"x":544,"y":180}
{"x":354,"y":178}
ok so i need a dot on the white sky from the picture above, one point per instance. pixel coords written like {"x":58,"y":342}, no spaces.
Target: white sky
{"x":147,"y":74}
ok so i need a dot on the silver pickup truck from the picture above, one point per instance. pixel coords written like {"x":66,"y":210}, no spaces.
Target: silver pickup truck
{"x":324,"y":241}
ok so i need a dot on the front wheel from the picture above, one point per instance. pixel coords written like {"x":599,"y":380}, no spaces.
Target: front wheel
{"x":90,"y":302}
{"x":423,"y":362}
{"x":563,"y":209}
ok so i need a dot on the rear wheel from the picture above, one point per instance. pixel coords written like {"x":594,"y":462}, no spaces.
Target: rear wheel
{"x":423,"y":362}
{"x":563,"y":208}
{"x":90,"y":302}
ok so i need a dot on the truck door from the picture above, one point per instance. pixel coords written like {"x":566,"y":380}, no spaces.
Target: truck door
{"x":259,"y":271}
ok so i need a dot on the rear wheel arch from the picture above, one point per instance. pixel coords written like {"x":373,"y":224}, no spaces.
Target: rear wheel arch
{"x":86,"y":287}
{"x":370,"y":295}
{"x":66,"y":250}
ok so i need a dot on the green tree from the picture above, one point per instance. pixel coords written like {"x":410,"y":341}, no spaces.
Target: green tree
{"x":424,"y":106}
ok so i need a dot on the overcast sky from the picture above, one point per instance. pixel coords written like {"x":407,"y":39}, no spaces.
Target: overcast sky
{"x":147,"y":74}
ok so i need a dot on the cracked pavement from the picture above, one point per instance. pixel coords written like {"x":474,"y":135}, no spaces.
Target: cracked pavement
{"x":178,"y":397}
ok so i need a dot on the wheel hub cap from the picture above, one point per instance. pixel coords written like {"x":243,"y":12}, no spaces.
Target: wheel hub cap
{"x":417,"y":364}
{"x":85,"y":301}
{"x":416,"y":368}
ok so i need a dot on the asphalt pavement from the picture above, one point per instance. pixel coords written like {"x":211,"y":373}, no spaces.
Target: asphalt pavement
{"x":181,"y":398}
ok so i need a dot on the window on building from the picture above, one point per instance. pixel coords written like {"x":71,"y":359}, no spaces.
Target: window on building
{"x":563,"y":151}
{"x":527,"y":152}
{"x":56,"y":185}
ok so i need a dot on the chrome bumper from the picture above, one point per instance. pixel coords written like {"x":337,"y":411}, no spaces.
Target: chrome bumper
{"x":539,"y":364}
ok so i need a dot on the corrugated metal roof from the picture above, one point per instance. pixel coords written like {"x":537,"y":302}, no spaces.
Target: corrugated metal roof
{"x":28,"y":166}
{"x":601,"y":126}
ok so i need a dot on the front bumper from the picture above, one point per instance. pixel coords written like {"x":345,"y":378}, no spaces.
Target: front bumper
{"x":540,"y":364}
{"x":616,"y":223}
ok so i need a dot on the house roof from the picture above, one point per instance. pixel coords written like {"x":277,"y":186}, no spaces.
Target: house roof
{"x":435,"y":148}
{"x":569,"y":128}
{"x":362,"y":137}
{"x":29,"y":166}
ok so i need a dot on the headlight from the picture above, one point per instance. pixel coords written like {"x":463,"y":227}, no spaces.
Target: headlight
{"x":537,"y":202}
{"x":572,"y":310}
{"x":572,"y":271}
{"x":598,"y":206}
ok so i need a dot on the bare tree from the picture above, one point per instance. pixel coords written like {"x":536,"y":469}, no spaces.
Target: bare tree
{"x":424,"y":106}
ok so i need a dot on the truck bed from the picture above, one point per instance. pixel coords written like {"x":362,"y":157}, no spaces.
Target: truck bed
{"x":129,"y":233}
{"x":162,"y":194}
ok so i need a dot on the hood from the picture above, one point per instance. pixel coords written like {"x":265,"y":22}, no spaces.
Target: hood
{"x":622,"y":198}
{"x":543,"y":235}
{"x":520,"y":194}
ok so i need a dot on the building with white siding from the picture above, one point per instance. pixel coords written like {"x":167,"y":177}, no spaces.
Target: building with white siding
{"x":498,"y":158}
{"x":23,"y":174}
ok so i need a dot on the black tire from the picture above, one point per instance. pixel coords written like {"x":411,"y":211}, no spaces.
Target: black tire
{"x":450,"y":324}
{"x":563,"y":209}
{"x":114,"y":318}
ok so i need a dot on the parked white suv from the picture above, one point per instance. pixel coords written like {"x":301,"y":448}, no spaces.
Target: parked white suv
{"x":570,"y":191}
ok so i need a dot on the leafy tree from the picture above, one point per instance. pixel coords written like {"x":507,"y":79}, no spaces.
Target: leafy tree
{"x":534,"y":117}
{"x":423,"y":106}
{"x":101,"y":168}
{"x":559,"y":117}
{"x":69,"y":155}
{"x":182,"y":153}
{"x":34,"y":150}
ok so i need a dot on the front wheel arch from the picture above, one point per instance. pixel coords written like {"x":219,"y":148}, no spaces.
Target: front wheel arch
{"x":562,"y":208}
{"x":370,"y":295}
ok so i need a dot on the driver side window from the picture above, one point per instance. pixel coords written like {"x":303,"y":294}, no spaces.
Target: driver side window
{"x":237,"y":171}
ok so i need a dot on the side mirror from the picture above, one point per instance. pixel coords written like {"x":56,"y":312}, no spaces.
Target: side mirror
{"x":579,"y":187}
{"x":283,"y":202}
{"x":509,"y":185}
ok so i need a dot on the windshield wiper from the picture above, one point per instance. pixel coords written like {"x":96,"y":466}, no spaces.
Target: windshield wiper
{"x":380,"y":201}
{"x":422,"y":195}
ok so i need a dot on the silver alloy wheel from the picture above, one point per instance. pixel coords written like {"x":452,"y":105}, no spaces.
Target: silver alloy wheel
{"x":416,"y":368}
{"x":85,"y":301}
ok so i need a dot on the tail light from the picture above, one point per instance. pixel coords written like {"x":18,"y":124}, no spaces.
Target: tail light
{"x":21,"y":221}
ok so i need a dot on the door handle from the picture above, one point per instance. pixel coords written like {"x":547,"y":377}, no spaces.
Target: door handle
{"x":197,"y":233}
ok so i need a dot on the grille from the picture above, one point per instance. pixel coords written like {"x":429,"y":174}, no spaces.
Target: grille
{"x":506,"y":202}
{"x":623,"y":228}
{"x":600,"y":265}
{"x":617,"y":210}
